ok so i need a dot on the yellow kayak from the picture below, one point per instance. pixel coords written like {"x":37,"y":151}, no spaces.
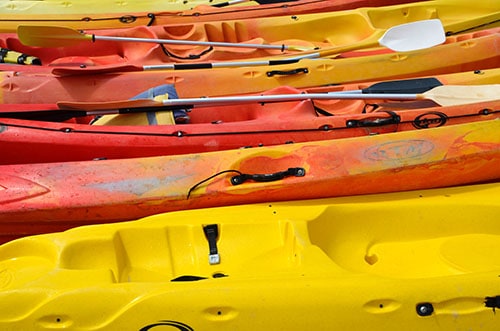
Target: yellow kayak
{"x":48,"y":7}
{"x":269,"y":38}
{"x":425,"y":260}
{"x":207,"y":11}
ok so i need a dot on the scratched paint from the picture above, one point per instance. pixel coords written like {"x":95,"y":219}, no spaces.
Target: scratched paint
{"x":138,"y":186}
{"x":399,"y":150}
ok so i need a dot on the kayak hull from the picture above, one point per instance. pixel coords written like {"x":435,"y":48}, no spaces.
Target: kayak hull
{"x":297,"y":265}
{"x":75,"y":193}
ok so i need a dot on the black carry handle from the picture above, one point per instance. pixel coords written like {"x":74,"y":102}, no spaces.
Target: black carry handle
{"x":287,"y":72}
{"x":374,"y":121}
{"x":239,"y":179}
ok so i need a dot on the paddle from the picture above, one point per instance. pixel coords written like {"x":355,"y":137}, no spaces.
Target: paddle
{"x":405,"y":37}
{"x":447,"y":95}
{"x":52,"y":36}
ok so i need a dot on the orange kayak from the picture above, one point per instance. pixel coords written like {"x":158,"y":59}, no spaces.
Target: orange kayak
{"x":49,"y":197}
{"x":467,"y":52}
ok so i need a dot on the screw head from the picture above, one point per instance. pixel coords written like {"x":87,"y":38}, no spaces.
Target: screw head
{"x":425,"y":309}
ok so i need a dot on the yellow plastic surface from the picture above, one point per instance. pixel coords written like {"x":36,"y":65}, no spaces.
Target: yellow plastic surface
{"x":51,"y":7}
{"x":365,"y":262}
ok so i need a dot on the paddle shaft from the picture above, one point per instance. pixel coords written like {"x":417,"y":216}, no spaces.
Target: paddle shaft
{"x":441,"y":95}
{"x":282,"y":47}
{"x":224,"y":101}
{"x":149,"y":105}
{"x":109,"y":108}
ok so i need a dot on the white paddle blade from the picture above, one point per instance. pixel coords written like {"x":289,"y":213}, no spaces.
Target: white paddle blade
{"x":451,"y":95}
{"x":414,"y":36}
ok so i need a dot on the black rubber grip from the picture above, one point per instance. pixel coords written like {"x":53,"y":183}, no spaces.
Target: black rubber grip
{"x":193,"y":66}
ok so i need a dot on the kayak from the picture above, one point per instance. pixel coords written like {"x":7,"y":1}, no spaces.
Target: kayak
{"x":236,"y":125}
{"x":48,"y":197}
{"x":253,"y":38}
{"x":419,"y":259}
{"x":220,"y":11}
{"x":466,"y":52}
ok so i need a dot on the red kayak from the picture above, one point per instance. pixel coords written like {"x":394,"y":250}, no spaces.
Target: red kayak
{"x":237,"y":125}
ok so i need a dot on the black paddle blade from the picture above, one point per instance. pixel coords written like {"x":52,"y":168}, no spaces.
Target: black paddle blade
{"x":412,"y":86}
